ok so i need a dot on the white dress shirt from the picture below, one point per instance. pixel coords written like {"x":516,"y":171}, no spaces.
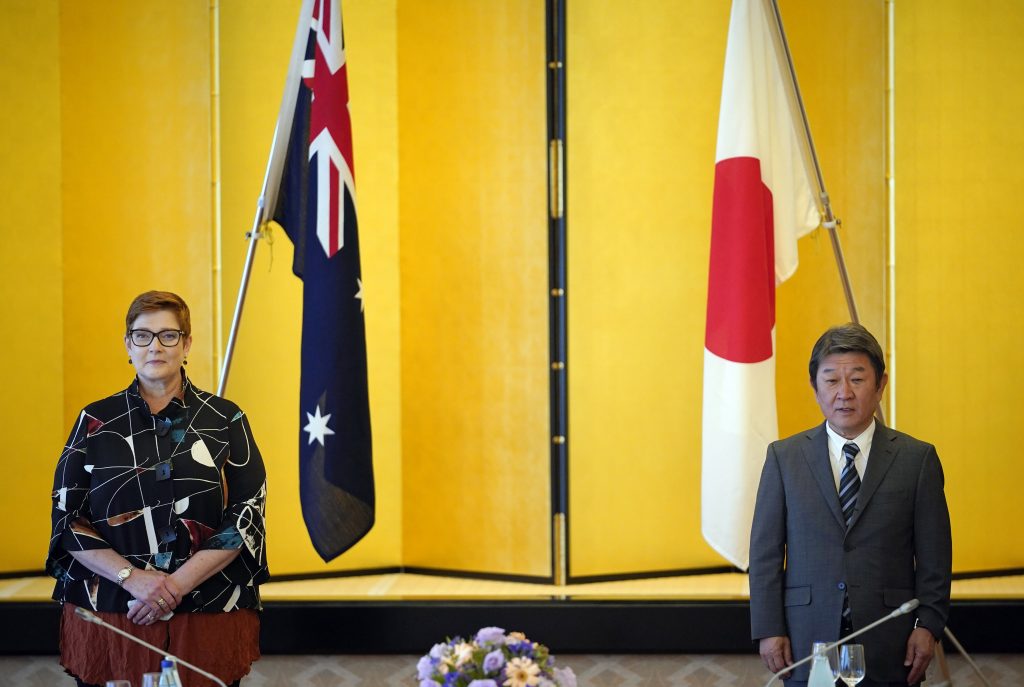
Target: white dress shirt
{"x":835,"y":450}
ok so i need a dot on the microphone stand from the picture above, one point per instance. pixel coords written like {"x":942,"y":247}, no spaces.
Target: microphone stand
{"x":91,"y":617}
{"x":902,"y":610}
{"x":967,"y":657}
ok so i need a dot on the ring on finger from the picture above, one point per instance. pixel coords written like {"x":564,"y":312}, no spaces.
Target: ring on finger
{"x":161,"y":602}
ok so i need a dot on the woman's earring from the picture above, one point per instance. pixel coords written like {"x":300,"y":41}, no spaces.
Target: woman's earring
{"x":185,"y":361}
{"x":129,"y":360}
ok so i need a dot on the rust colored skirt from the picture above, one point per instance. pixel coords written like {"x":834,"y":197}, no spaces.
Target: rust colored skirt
{"x":225,"y":644}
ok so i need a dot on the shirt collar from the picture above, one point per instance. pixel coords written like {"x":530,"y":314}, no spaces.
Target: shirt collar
{"x":187,"y":392}
{"x":863,"y":440}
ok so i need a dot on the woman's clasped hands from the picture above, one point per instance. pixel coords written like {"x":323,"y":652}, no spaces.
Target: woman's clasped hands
{"x":155,"y":596}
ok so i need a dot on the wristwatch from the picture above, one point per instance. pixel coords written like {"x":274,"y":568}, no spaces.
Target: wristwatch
{"x":123,"y":574}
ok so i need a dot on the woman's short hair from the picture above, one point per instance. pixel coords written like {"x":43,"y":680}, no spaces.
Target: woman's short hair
{"x":847,"y":338}
{"x":153,"y":301}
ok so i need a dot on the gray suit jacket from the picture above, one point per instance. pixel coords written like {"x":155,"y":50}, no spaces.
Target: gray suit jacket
{"x":803,"y":558}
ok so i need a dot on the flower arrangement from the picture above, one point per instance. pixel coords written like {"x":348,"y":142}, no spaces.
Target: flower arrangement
{"x":492,"y":659}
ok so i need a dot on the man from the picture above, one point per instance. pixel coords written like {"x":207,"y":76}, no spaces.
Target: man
{"x":850,"y":522}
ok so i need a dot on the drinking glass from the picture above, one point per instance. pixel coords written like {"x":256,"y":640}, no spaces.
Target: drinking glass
{"x":118,"y":683}
{"x":832,"y":655}
{"x":851,"y":664}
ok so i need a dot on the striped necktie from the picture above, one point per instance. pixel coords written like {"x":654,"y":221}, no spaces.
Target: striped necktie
{"x":849,"y":485}
{"x":849,"y":482}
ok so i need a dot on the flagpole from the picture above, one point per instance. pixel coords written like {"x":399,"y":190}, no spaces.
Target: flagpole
{"x":267,"y":202}
{"x":830,"y":222}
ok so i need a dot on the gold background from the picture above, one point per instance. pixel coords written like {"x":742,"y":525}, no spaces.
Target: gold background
{"x":125,"y":167}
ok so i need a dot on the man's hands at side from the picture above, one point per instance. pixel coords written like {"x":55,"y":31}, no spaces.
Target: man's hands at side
{"x":777,"y":653}
{"x":920,"y":649}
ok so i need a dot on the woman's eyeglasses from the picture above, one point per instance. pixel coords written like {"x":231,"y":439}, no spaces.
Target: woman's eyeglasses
{"x":144,"y":337}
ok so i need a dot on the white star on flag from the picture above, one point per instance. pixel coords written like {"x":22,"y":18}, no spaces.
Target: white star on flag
{"x":359,"y":293}
{"x":317,"y":426}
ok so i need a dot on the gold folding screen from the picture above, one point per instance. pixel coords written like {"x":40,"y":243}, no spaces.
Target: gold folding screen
{"x":475,"y":451}
{"x":112,"y":185}
{"x":136,"y":173}
{"x":958,"y":253}
{"x":31,"y":283}
{"x":644,"y":87}
{"x":448,"y":117}
{"x":644,"y":81}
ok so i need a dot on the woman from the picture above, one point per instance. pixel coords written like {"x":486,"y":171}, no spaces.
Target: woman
{"x":158,"y":504}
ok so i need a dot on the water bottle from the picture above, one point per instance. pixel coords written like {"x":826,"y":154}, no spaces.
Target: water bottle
{"x":821,"y":672}
{"x":168,"y":674}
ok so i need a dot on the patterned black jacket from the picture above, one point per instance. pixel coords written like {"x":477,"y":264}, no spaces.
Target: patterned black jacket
{"x":156,"y":489}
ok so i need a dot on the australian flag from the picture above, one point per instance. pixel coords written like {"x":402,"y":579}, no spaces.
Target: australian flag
{"x":317,"y":210}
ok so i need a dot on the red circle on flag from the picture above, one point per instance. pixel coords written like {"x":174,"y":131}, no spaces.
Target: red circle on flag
{"x":741,"y":279}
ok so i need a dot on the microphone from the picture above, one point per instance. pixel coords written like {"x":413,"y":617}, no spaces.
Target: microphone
{"x":902,"y":610}
{"x":91,"y":617}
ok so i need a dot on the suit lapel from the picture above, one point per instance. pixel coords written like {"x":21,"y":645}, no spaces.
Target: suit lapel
{"x":816,"y":456}
{"x":883,"y":452}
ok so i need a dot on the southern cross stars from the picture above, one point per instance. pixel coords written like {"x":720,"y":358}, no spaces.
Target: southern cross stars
{"x":317,"y":426}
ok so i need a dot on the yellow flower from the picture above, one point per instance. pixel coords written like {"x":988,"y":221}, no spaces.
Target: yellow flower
{"x":518,"y":636}
{"x":463,"y":653}
{"x":522,"y":672}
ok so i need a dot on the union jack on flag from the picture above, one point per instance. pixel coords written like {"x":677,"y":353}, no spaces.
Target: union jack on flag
{"x":330,"y":143}
{"x":317,"y":199}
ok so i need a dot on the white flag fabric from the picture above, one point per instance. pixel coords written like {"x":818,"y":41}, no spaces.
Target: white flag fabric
{"x":763,"y":202}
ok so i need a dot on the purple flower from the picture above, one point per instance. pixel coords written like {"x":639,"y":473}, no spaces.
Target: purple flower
{"x":521,"y":648}
{"x":425,"y":667}
{"x":437,"y":651}
{"x":494,"y":661}
{"x":490,"y":635}
{"x":565,"y":677}
{"x":428,"y":683}
{"x":483,"y":683}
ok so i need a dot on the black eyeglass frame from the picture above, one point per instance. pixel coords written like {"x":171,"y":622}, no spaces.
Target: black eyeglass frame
{"x":157,"y":336}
